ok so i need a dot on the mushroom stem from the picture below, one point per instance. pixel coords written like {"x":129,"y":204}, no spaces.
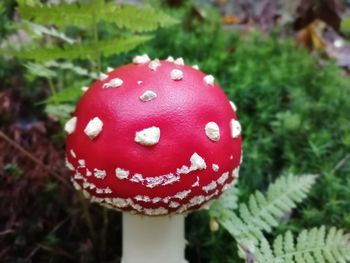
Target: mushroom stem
{"x":153,"y":239}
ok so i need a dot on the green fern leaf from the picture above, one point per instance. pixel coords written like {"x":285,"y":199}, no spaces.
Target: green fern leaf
{"x":317,"y":245}
{"x":65,"y":14}
{"x":82,"y":51}
{"x":71,"y":94}
{"x":263,"y":212}
{"x":137,"y":19}
{"x":131,"y":17}
{"x":40,"y":31}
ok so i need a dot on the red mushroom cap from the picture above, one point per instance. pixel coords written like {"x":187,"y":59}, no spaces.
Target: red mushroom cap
{"x":155,"y":138}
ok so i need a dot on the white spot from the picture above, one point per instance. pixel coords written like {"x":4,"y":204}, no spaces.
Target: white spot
{"x":179,"y":61}
{"x":212,"y":130}
{"x":241,"y":160}
{"x":154,"y":64}
{"x":183,"y":170}
{"x":88,"y":173}
{"x":69,"y":165}
{"x":103,"y":76}
{"x":78,"y":176}
{"x":156,"y":200}
{"x":182,"y":195}
{"x":121,"y":173}
{"x":93,"y":128}
{"x":155,"y":211}
{"x":195,"y":67}
{"x":215,"y":167}
{"x":223,"y":178}
{"x":99,"y":174}
{"x":75,"y":184}
{"x":176,"y":74}
{"x":148,"y":95}
{"x":148,"y":136}
{"x":81,"y":163}
{"x":84,"y":89}
{"x":234,"y":107}
{"x":235,"y":173}
{"x":142,"y":198}
{"x":141,"y":59}
{"x":73,"y":154}
{"x":109,"y":69}
{"x":99,"y":190}
{"x":137,"y":178}
{"x":209,"y":80}
{"x":196,"y":183}
{"x":152,"y":182}
{"x":108,"y":190}
{"x":70,"y":125}
{"x":197,"y":200}
{"x":166,"y":199}
{"x":231,"y":157}
{"x":235,"y":128}
{"x":137,"y":207}
{"x":113,"y":83}
{"x":197,"y":162}
{"x":182,"y":209}
{"x":170,"y":59}
{"x":86,"y":194}
{"x":170,"y":178}
{"x":88,"y":185}
{"x":120,"y":202}
{"x":139,"y":82}
{"x":174,"y":204}
{"x":210,"y":187}
{"x":208,"y":197}
{"x":95,"y":199}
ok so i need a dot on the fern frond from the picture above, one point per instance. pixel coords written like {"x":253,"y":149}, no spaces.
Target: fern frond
{"x":71,"y":94}
{"x":82,"y":51}
{"x":228,"y":201}
{"x":131,"y":17}
{"x":65,"y":14}
{"x":263,"y":212}
{"x":137,"y":19}
{"x":71,"y":67}
{"x":222,"y":210}
{"x":40,"y":30}
{"x":317,"y":245}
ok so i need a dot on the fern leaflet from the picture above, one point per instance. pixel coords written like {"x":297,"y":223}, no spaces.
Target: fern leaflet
{"x":263,"y":212}
{"x":131,"y":17}
{"x":82,"y":51}
{"x":317,"y":245}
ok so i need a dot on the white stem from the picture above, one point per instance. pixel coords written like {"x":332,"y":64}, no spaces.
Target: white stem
{"x":153,"y":239}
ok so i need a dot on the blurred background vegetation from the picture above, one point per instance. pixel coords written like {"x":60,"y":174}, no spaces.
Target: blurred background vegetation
{"x":285,"y":64}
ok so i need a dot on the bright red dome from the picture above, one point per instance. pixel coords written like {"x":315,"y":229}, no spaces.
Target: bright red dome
{"x":154,"y":137}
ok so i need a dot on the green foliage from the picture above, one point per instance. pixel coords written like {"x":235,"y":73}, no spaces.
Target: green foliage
{"x":42,"y":31}
{"x":131,"y":17}
{"x":82,"y":51}
{"x":313,"y":246}
{"x":263,"y":212}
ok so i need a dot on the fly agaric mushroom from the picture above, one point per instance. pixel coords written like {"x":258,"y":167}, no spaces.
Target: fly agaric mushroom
{"x":154,"y":137}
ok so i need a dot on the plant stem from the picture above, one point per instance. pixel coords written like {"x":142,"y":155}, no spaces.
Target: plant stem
{"x":96,"y":44}
{"x":51,"y":86}
{"x":87,"y":217}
